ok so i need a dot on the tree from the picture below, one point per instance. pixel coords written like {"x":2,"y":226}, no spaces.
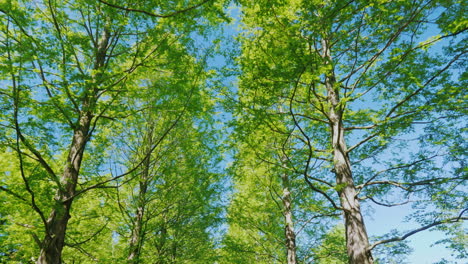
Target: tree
{"x":67,"y":68}
{"x":168,"y":204}
{"x":256,"y":224}
{"x":361,"y":72}
{"x":107,"y":148}
{"x":271,"y":215}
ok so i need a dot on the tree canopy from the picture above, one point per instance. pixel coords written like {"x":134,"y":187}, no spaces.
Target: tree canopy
{"x":218,"y":131}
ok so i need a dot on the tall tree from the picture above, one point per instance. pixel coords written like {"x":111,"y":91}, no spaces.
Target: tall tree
{"x":67,"y":66}
{"x":169,"y":204}
{"x":363,"y":73}
{"x":271,"y":210}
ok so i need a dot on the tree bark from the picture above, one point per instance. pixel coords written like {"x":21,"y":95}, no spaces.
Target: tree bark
{"x":290,"y":235}
{"x":357,"y":241}
{"x":137,"y":238}
{"x":56,"y":226}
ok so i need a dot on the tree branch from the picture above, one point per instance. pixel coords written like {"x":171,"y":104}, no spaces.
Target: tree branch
{"x":436,"y":223}
{"x":153,"y":14}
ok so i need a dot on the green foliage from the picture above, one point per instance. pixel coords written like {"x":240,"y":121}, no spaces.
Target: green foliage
{"x":333,"y":247}
{"x":397,"y":69}
{"x":63,"y":61}
{"x":256,"y":231}
{"x":140,"y":71}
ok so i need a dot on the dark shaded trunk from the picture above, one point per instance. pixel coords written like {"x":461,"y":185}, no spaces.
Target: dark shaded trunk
{"x":357,"y":241}
{"x":56,"y":226}
{"x":290,"y":235}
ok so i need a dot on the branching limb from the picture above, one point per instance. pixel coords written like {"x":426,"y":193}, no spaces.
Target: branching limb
{"x":417,"y":91}
{"x":306,"y":176}
{"x":459,"y":218}
{"x":371,"y":181}
{"x":128,"y":9}
{"x":13,"y":194}
{"x":360,"y":127}
{"x":75,"y":244}
{"x":362,"y":142}
{"x":394,"y":183}
{"x":385,"y":204}
{"x":314,"y":217}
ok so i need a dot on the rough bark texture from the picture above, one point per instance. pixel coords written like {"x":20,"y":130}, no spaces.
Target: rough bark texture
{"x":357,"y":241}
{"x":54,"y":240}
{"x":290,"y":235}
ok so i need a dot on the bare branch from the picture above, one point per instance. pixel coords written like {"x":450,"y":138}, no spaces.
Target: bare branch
{"x":394,"y":183}
{"x":153,"y":14}
{"x":88,"y":239}
{"x":385,"y":204}
{"x":362,"y":142}
{"x":315,"y":217}
{"x":370,"y":180}
{"x":436,"y":223}
{"x":417,"y":91}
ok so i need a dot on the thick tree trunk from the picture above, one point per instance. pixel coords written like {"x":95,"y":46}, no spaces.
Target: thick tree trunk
{"x":56,"y":226}
{"x":290,"y":235}
{"x":357,"y":241}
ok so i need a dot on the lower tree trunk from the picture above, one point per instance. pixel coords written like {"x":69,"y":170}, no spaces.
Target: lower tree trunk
{"x":54,"y":241}
{"x":357,"y":241}
{"x":56,"y":225}
{"x":136,"y":239}
{"x":290,"y":235}
{"x":138,"y":233}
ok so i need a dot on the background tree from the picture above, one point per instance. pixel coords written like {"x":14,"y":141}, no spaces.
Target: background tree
{"x":169,"y":203}
{"x":272,"y":216}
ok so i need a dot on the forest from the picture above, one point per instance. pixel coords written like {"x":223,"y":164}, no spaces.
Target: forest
{"x":232,"y":131}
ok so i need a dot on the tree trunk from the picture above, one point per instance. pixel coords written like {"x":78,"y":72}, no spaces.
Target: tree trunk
{"x":137,"y":235}
{"x":56,"y":226}
{"x":357,"y":241}
{"x":137,"y":238}
{"x":290,"y":235}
